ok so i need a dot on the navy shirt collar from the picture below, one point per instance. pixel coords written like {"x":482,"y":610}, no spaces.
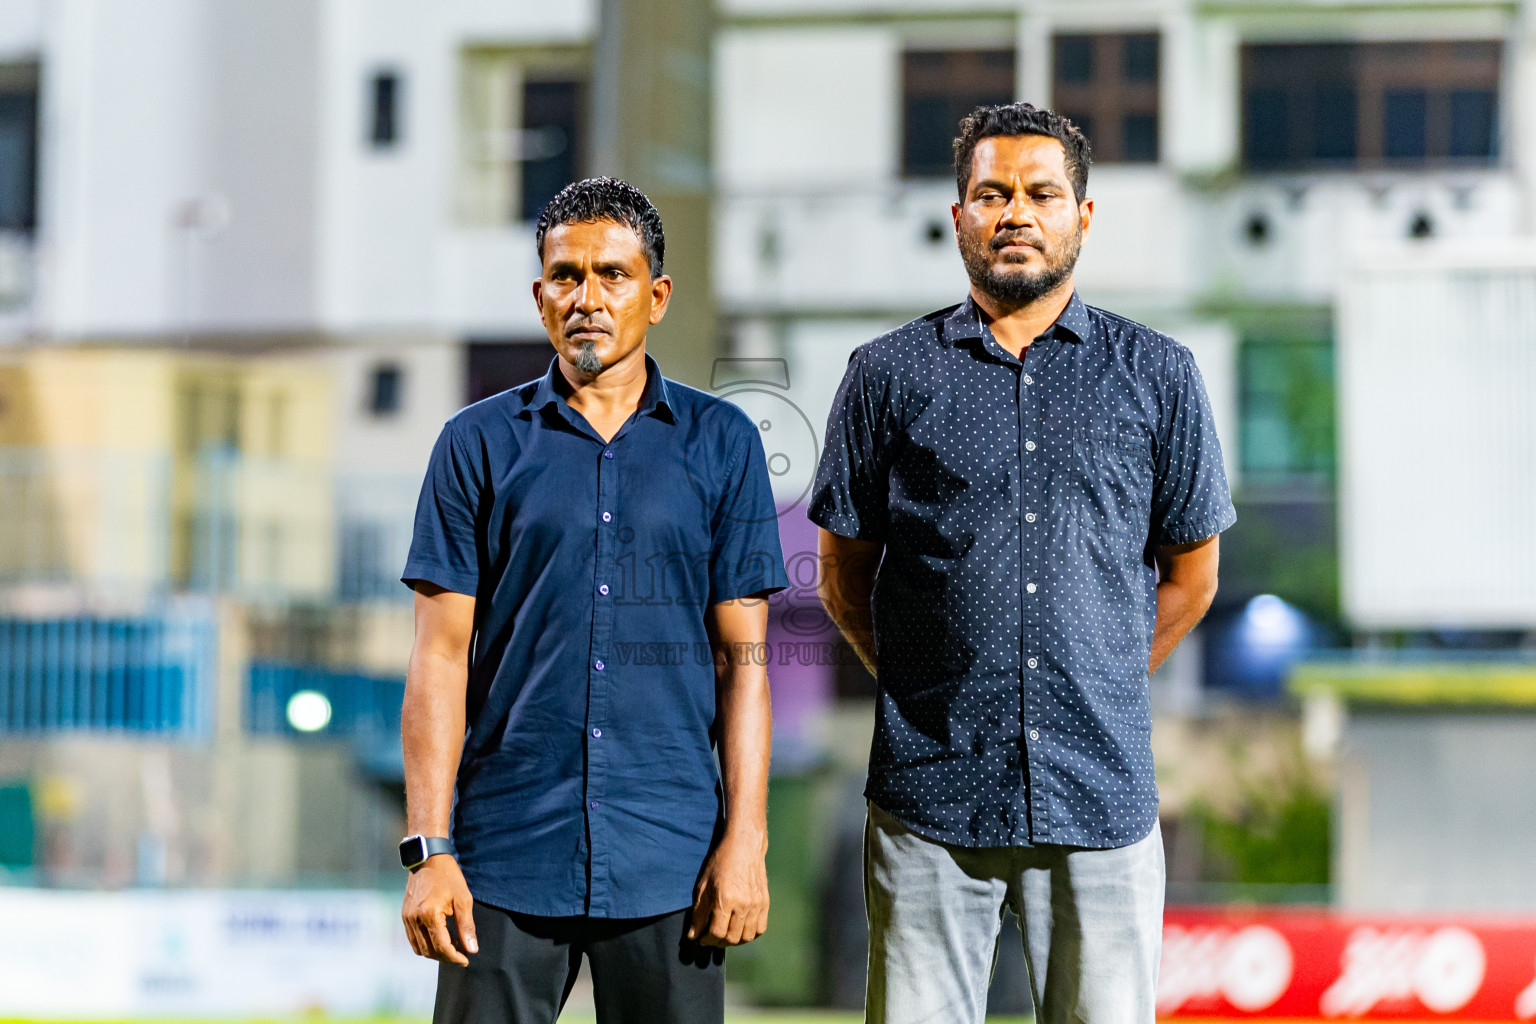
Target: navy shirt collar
{"x":965,"y":322}
{"x":654,"y":400}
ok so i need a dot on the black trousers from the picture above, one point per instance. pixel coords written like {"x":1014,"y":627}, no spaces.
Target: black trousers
{"x":644,"y":971}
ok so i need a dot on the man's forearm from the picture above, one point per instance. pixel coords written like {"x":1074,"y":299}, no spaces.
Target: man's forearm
{"x":1179,"y":609}
{"x":432,"y":735}
{"x":1185,"y":589}
{"x":746,"y":739}
{"x":846,"y":586}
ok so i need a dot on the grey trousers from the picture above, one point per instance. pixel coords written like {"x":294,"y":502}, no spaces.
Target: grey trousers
{"x":1092,"y":923}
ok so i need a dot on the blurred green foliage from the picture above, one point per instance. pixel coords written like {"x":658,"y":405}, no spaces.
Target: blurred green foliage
{"x":1280,"y":836}
{"x":1287,"y":408}
{"x":781,"y":968}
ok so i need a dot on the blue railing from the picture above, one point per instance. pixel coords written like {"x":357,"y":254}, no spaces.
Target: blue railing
{"x":132,"y":675}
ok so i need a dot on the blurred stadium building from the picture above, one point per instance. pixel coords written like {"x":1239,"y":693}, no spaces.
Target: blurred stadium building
{"x":252,"y":255}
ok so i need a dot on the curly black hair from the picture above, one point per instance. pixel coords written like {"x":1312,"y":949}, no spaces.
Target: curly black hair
{"x":593,"y":199}
{"x":1022,"y":119}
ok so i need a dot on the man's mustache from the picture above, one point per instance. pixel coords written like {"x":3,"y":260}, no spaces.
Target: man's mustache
{"x":1015,"y":238}
{"x":581,"y":323}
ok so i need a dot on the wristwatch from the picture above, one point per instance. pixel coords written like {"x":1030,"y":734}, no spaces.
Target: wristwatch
{"x":414,"y":850}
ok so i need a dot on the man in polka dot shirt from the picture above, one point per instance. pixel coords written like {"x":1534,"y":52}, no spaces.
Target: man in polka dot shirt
{"x":1020,"y":499}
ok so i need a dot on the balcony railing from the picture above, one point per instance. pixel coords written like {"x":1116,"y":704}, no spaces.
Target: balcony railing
{"x":131,"y":675}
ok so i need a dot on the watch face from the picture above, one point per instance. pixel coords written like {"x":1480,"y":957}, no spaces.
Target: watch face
{"x":413,"y":851}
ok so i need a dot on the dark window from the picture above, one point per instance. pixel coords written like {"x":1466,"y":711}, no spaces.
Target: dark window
{"x":1266,"y":114}
{"x":1334,"y":113}
{"x":495,"y":366}
{"x":1139,"y":141}
{"x":1286,"y":405}
{"x":386,"y":389}
{"x":551,"y":140}
{"x":939,"y":87}
{"x":1365,"y":104}
{"x":384,"y":110}
{"x":1404,"y":124}
{"x":1472,"y":122}
{"x":1074,"y":60}
{"x":1107,"y":85}
{"x":18,"y":149}
{"x":1141,"y":58}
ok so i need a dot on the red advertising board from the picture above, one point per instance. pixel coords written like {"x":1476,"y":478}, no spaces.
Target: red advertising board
{"x":1324,"y":966}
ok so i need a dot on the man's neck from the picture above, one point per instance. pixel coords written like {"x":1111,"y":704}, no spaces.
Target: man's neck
{"x":612,"y":394}
{"x":1015,"y":327}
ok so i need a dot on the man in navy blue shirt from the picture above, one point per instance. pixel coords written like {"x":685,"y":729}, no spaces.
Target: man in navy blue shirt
{"x":592,"y":557}
{"x":1020,"y":498}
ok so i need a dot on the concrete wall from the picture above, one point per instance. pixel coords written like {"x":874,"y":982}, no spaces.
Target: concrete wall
{"x":1436,"y":811}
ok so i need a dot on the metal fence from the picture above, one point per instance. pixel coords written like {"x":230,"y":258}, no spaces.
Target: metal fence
{"x":131,"y":675}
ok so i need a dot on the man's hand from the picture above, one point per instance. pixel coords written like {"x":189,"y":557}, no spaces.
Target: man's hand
{"x":730,"y":901}
{"x":436,"y":892}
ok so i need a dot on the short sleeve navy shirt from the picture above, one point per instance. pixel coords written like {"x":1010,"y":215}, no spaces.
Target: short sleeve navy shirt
{"x":588,"y":783}
{"x":1019,"y":502}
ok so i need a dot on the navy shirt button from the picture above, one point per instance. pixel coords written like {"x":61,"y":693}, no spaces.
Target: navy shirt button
{"x":1029,"y":446}
{"x":597,"y":733}
{"x":607,"y":517}
{"x":593,"y":805}
{"x":1033,"y":663}
{"x":1034,"y":734}
{"x":1031,"y":587}
{"x":603,"y":589}
{"x":598,"y":665}
{"x":608,"y":453}
{"x":1029,"y":517}
{"x":1028,"y":379}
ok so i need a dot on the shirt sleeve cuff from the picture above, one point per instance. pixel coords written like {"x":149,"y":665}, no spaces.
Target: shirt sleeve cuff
{"x":843,"y":526}
{"x":1198,"y":529}
{"x":458,"y":582}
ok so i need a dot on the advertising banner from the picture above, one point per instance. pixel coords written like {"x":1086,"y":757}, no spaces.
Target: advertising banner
{"x":1318,"y":965}
{"x":116,"y":955}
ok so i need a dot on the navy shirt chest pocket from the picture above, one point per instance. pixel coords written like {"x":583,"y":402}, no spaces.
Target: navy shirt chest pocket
{"x":1103,"y":478}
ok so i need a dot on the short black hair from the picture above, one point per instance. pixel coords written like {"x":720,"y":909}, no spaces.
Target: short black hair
{"x":594,"y":199}
{"x":1022,"y":119}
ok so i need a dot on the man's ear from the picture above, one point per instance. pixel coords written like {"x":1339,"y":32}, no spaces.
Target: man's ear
{"x":661,"y":294}
{"x":954,"y":215}
{"x":538,"y":295}
{"x":1085,"y":215}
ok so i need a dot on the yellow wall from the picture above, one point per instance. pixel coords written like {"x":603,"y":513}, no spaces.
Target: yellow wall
{"x":125,"y":467}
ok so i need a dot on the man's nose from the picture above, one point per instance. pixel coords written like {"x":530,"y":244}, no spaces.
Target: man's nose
{"x":1017,"y":213}
{"x":589,"y":295}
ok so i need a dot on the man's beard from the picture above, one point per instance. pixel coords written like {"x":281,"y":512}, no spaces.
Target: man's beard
{"x":1021,"y":287}
{"x":586,"y":358}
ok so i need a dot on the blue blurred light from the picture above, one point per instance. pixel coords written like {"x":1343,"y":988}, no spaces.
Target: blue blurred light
{"x":1250,"y":650}
{"x":1272,"y":626}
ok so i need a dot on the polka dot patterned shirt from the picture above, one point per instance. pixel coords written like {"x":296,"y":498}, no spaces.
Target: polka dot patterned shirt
{"x":1019,"y":502}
